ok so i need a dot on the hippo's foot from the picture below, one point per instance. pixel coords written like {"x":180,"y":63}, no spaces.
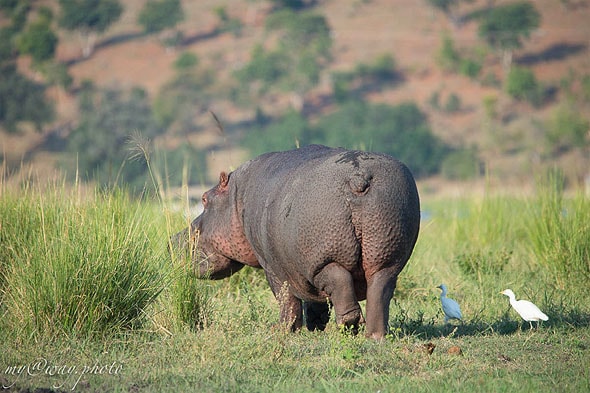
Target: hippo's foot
{"x":316,"y":315}
{"x":351,"y":320}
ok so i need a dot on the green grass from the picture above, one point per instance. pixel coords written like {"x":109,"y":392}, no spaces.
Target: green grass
{"x":91,"y":301}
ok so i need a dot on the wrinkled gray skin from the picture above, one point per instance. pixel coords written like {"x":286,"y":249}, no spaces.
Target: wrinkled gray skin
{"x":323,"y":223}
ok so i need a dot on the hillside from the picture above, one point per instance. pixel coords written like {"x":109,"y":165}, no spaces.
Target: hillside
{"x":411,"y":31}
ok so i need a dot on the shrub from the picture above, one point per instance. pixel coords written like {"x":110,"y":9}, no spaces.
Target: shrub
{"x":448,"y":57}
{"x":159,"y":15}
{"x":470,"y":68}
{"x":567,"y":129}
{"x":586,"y":87}
{"x":461,"y":164}
{"x":453,"y":103}
{"x":522,"y":84}
{"x":186,"y":61}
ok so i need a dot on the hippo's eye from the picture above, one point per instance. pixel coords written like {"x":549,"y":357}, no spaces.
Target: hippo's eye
{"x":204,"y":200}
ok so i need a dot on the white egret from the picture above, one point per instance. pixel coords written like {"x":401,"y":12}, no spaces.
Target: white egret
{"x":450,"y":307}
{"x":527,"y":310}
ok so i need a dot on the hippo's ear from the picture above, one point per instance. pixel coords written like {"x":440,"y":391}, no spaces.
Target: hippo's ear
{"x":223,"y":180}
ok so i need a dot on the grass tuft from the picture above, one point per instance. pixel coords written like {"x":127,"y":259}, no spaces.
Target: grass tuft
{"x":76,"y":268}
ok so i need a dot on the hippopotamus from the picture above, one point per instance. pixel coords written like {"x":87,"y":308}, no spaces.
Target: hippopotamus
{"x":329,"y":226}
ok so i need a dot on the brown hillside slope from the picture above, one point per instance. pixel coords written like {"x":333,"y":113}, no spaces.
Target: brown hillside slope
{"x":409,"y":30}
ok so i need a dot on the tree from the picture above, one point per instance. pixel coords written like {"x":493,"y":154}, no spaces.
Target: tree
{"x":89,"y":18}
{"x":522,"y":84}
{"x":446,"y":6}
{"x":38,"y":40}
{"x":504,"y":27}
{"x":22,"y":100}
{"x":292,"y":4}
{"x":401,"y":131}
{"x":296,"y":61}
{"x":107,"y":120}
{"x":159,"y":15}
{"x":180,"y":99}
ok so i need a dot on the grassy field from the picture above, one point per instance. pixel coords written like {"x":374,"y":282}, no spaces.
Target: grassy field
{"x":92,"y":301}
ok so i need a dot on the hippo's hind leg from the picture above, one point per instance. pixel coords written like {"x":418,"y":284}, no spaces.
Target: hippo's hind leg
{"x":316,"y":315}
{"x":338,"y":283}
{"x":380,"y":289}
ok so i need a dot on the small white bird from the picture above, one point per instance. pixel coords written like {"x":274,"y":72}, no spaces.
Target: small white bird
{"x":450,"y":307}
{"x":527,"y":310}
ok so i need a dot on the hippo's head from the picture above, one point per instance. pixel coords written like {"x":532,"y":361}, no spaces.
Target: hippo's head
{"x":215,"y":240}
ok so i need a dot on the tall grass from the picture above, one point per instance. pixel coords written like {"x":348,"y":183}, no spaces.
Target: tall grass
{"x":76,"y":266}
{"x":559,"y":231}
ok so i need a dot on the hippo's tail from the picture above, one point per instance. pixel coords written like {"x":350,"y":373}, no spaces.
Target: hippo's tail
{"x":386,"y":214}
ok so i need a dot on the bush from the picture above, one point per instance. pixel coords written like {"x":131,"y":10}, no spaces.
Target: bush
{"x":453,"y":103}
{"x":567,"y":129}
{"x":158,"y":15}
{"x":461,"y":165}
{"x":186,"y":61}
{"x":469,"y":68}
{"x":22,"y":100}
{"x":586,"y":87}
{"x":522,"y":84}
{"x":179,"y":99}
{"x":366,"y":77}
{"x":448,"y":57}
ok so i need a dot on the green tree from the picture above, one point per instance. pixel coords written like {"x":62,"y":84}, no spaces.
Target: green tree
{"x":183,"y":97}
{"x":22,"y":100}
{"x":284,"y":134}
{"x":159,"y":16}
{"x":447,"y":7}
{"x":401,"y":131}
{"x":89,"y":18}
{"x":107,"y":120}
{"x":366,"y":77}
{"x":38,"y":40}
{"x":296,"y":61}
{"x":292,"y":4}
{"x":505,"y":26}
{"x":522,"y":84}
{"x":566,"y":130}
